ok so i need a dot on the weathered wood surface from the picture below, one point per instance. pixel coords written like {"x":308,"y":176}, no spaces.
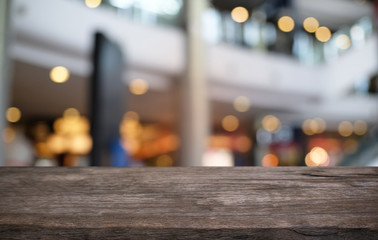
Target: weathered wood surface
{"x":189,"y":203}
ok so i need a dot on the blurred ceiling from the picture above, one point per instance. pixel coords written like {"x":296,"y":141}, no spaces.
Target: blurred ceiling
{"x":331,"y":13}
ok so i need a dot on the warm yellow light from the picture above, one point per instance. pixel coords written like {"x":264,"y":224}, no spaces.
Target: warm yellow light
{"x":323,"y":34}
{"x":314,"y":126}
{"x":138,"y":86}
{"x":93,"y":3}
{"x":79,"y":144}
{"x":131,"y":115}
{"x":57,"y":144}
{"x":239,"y":14}
{"x":317,"y":157}
{"x":71,"y":112}
{"x":271,"y":123}
{"x":164,"y":161}
{"x":309,"y":162}
{"x":270,"y":160}
{"x":71,"y":125}
{"x":8,"y":135}
{"x":242,"y":104}
{"x":59,"y":74}
{"x":230,"y":123}
{"x":310,"y":24}
{"x":343,"y":41}
{"x":345,"y":128}
{"x":131,"y":129}
{"x":321,"y":125}
{"x":13,"y":114}
{"x":306,"y":127}
{"x":360,"y":127}
{"x":286,"y":24}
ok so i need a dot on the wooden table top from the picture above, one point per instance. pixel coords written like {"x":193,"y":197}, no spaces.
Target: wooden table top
{"x":189,"y":203}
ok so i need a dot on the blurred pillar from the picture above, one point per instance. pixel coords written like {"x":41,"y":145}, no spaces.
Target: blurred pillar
{"x":195,"y":126}
{"x":4,"y":67}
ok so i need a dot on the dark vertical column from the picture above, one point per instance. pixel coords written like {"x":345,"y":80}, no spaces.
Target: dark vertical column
{"x":107,"y":100}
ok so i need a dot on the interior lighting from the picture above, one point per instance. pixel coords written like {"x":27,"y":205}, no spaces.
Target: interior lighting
{"x":13,"y":114}
{"x":286,"y":24}
{"x":138,"y":86}
{"x":310,"y":24}
{"x":345,"y":128}
{"x":360,"y":127}
{"x":270,"y":160}
{"x":323,"y":34}
{"x":242,"y":104}
{"x":343,"y":41}
{"x":93,"y":3}
{"x":59,"y":74}
{"x":230,"y":123}
{"x":239,"y":14}
{"x":271,"y":123}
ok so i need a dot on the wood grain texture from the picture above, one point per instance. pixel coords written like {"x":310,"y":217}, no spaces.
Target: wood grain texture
{"x":189,"y":203}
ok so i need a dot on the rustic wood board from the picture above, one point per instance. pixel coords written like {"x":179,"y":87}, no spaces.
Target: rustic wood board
{"x":189,"y":203}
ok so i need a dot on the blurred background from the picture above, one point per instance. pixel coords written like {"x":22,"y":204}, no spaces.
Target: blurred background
{"x":189,"y":83}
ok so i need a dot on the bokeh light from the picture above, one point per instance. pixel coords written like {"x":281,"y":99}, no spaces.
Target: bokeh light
{"x":230,"y":123}
{"x":71,"y":112}
{"x":13,"y":114}
{"x":343,"y":41}
{"x":323,"y":34}
{"x":218,"y":158}
{"x":321,"y":124}
{"x":243,"y":144}
{"x":360,"y":127}
{"x":93,"y":3}
{"x":242,"y":104}
{"x":79,"y":144}
{"x":239,"y":14}
{"x":71,"y":125}
{"x":317,"y":157}
{"x":345,"y":128}
{"x":286,"y":24}
{"x":8,"y":135}
{"x":314,"y":126}
{"x":59,"y":74}
{"x":271,"y":123}
{"x":270,"y":160}
{"x":306,"y":127}
{"x":57,"y":144}
{"x":131,"y":115}
{"x":310,"y":24}
{"x":138,"y":86}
